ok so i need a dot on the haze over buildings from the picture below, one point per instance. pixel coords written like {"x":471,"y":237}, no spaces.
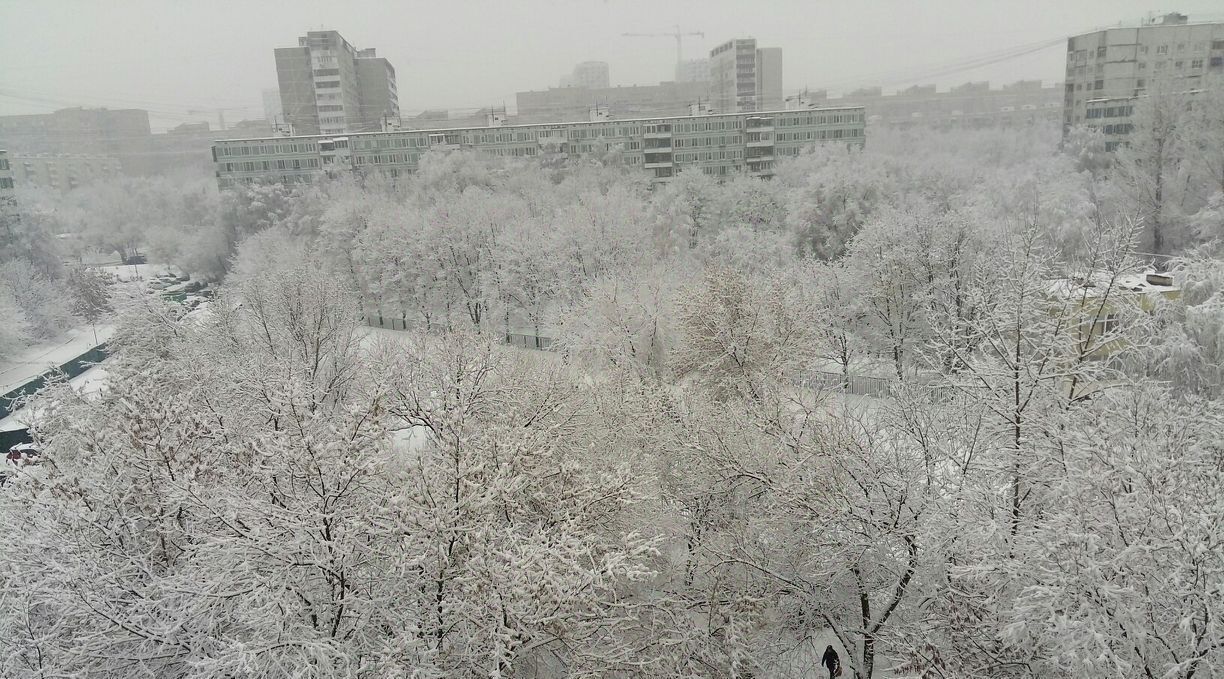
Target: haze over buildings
{"x":893,"y":45}
{"x":589,"y":74}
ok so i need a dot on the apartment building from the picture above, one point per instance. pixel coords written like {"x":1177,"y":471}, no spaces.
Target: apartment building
{"x":1107,"y":70}
{"x":274,"y":112}
{"x":719,"y":145}
{"x":62,"y":171}
{"x":592,"y":75}
{"x":693,"y":70}
{"x":74,"y":130}
{"x":6,"y":180}
{"x":565,"y":104}
{"x":969,"y":105}
{"x":744,"y":78}
{"x":327,"y":86}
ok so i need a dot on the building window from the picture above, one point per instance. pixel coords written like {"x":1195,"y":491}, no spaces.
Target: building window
{"x":1162,"y":49}
{"x":1196,"y":63}
{"x":1098,"y":85}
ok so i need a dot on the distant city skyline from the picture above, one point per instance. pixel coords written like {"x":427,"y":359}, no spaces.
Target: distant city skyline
{"x":181,"y":57}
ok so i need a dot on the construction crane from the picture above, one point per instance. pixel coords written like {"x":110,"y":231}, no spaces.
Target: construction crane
{"x":220,"y":113}
{"x":677,"y":34}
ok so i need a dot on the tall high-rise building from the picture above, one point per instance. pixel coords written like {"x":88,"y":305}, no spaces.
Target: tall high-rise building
{"x":376,"y":93}
{"x":744,"y":78}
{"x":1107,"y":70}
{"x":769,"y":79}
{"x":592,"y":75}
{"x":328,"y":86}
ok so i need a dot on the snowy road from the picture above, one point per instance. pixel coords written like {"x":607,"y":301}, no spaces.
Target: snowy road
{"x":36,"y":360}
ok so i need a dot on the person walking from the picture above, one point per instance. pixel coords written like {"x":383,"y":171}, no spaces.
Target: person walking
{"x":831,"y":660}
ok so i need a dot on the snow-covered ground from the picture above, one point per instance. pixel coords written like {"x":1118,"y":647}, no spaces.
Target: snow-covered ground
{"x":136,"y":272}
{"x":36,"y":360}
{"x":89,"y":382}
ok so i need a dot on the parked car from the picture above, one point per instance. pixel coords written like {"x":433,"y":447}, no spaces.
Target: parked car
{"x":23,"y":454}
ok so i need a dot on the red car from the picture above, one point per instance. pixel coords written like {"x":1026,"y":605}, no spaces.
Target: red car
{"x":23,"y":454}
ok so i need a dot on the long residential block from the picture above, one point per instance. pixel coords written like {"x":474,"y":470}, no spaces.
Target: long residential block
{"x":720,"y":145}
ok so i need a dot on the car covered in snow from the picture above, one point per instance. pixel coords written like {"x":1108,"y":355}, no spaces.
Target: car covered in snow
{"x":23,"y":454}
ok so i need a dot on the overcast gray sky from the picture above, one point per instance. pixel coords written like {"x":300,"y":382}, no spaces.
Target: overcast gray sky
{"x":172,"y":56}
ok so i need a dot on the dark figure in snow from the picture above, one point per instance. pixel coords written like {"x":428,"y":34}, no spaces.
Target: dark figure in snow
{"x":831,"y":660}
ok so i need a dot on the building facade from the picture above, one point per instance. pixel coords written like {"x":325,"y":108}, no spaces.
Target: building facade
{"x":693,"y":71}
{"x":1107,"y":70}
{"x":744,"y":78}
{"x":274,"y":113}
{"x":62,"y":171}
{"x":970,"y":105}
{"x":6,"y":181}
{"x":74,"y":130}
{"x":571,"y":104}
{"x":327,"y":86}
{"x":718,"y":145}
{"x":593,"y":75}
{"x":377,"y":94}
{"x":769,"y":79}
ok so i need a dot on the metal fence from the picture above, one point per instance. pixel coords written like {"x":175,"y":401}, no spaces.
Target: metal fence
{"x":863,"y":385}
{"x":514,"y":339}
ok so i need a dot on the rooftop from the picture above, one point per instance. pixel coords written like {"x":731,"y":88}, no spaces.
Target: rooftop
{"x":1098,"y":282}
{"x":452,"y":130}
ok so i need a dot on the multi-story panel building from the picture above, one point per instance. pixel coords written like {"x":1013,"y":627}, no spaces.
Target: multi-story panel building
{"x":1107,"y":70}
{"x":377,"y":94}
{"x":693,"y":71}
{"x":75,"y":130}
{"x":969,"y":105}
{"x":719,"y":145}
{"x":565,"y":104}
{"x":744,"y":78}
{"x":6,"y":181}
{"x":274,"y":113}
{"x":592,"y":75}
{"x":769,"y":79}
{"x":327,"y":86}
{"x":62,"y":171}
